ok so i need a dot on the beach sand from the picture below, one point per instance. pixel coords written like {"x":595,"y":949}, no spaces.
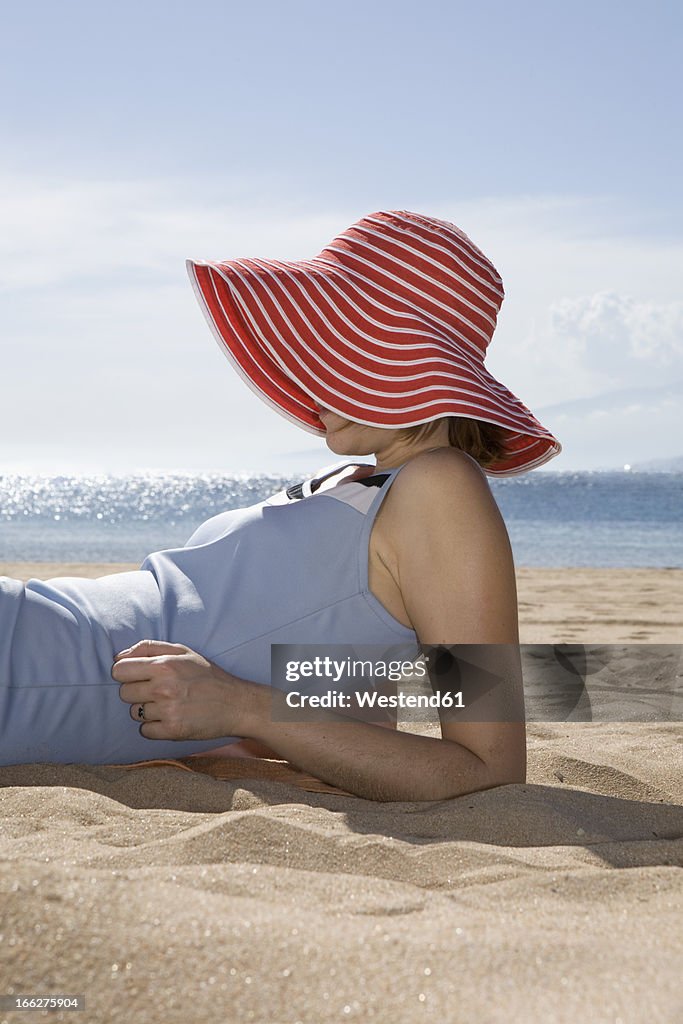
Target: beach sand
{"x":164,"y":894}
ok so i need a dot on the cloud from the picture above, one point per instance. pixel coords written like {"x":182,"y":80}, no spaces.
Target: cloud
{"x":90,"y":233}
{"x":617,"y":428}
{"x":625,"y":358}
{"x":618,"y":339}
{"x":585,"y":345}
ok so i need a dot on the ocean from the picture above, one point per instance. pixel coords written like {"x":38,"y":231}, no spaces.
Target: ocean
{"x":601,"y":519}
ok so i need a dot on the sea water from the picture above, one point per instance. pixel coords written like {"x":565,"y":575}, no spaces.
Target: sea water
{"x":601,"y":519}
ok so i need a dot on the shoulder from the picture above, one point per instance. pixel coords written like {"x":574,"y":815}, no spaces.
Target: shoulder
{"x":442,"y":461}
{"x":449,"y":552}
{"x":443,"y":480}
{"x":441,"y":499}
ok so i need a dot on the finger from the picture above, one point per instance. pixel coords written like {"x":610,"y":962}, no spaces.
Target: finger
{"x":135,"y":693}
{"x":154,"y":731}
{"x":151,"y":713}
{"x":133,"y":670}
{"x":150,"y":649}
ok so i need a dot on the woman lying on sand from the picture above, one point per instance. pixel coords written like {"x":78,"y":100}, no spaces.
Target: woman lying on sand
{"x":378,"y":345}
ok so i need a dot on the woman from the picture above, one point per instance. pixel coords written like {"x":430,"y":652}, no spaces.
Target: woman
{"x":377,"y":344}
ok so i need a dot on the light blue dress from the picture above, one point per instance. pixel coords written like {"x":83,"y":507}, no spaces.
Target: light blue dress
{"x":291,"y":569}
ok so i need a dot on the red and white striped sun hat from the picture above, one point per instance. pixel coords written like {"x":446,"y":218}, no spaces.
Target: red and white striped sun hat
{"x":388,"y":326}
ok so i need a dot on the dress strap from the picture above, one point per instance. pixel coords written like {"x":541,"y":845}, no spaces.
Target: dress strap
{"x":307,"y":487}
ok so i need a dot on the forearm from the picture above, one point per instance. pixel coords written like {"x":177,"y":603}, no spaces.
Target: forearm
{"x":365,"y":759}
{"x":184,"y":696}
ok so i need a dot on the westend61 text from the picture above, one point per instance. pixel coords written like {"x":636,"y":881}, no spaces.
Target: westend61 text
{"x":372,"y":699}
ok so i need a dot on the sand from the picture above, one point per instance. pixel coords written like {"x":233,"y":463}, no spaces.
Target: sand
{"x":163,"y":894}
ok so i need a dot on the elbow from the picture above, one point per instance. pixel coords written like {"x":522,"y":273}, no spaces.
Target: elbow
{"x":508,"y":774}
{"x":489,"y":776}
{"x":516,"y":778}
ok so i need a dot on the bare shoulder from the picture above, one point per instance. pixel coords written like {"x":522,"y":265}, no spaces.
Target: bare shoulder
{"x":448,"y":551}
{"x":438,"y":484}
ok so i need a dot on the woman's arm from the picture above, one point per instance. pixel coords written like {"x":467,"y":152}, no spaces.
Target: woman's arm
{"x":187,"y":697}
{"x":451,"y":559}
{"x":453,"y":565}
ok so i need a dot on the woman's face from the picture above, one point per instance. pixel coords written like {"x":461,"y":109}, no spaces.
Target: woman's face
{"x":345,"y":437}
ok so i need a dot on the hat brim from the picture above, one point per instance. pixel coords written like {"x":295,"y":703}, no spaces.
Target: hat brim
{"x":301,"y":334}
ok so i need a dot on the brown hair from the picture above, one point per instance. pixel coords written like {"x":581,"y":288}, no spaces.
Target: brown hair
{"x":485,"y":442}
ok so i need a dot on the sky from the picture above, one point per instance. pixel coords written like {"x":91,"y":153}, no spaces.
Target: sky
{"x":136,"y":135}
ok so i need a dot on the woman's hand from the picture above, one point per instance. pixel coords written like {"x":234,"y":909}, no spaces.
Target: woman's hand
{"x":184,"y":695}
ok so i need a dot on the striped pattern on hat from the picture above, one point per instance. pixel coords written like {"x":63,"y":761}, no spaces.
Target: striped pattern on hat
{"x":387,"y":326}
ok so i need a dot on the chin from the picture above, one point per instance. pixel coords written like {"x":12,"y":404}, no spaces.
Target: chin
{"x":346,"y":447}
{"x":338,"y":447}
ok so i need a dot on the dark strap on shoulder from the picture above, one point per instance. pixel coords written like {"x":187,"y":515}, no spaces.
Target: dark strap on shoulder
{"x":372,"y":481}
{"x":296,"y":490}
